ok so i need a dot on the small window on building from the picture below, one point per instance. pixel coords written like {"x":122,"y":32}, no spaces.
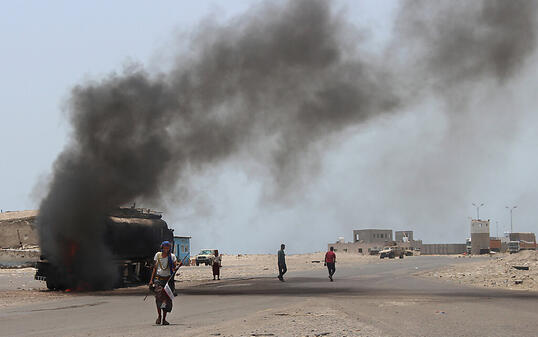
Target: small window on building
{"x":345,"y":250}
{"x":360,"y":250}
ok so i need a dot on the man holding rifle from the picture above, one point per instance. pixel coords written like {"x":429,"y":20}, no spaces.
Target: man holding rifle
{"x":164,"y":270}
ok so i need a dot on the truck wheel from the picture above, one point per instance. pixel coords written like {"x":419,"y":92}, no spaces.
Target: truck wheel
{"x":401,"y":256}
{"x":381,"y":256}
{"x":197,"y":264}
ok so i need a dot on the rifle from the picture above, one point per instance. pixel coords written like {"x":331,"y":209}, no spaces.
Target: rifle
{"x":171,"y":276}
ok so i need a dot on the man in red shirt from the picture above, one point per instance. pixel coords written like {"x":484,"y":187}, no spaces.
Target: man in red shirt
{"x":330,"y":260}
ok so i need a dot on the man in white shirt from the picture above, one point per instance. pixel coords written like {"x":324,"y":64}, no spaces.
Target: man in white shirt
{"x":165,"y":265}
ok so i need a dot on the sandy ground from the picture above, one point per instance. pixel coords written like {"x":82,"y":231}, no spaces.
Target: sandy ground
{"x":313,"y":317}
{"x":494,"y":272}
{"x":256,"y":265}
{"x":17,"y":286}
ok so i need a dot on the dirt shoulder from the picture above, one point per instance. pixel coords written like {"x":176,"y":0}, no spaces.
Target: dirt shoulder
{"x":17,"y":286}
{"x":310,"y":318}
{"x":494,"y":272}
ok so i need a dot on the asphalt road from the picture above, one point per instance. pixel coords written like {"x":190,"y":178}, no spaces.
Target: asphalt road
{"x":385,"y":296}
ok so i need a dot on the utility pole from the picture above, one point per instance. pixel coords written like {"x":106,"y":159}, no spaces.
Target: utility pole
{"x":511,"y":224}
{"x":478,"y":210}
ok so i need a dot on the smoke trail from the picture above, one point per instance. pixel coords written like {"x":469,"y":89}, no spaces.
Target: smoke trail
{"x":460,"y":42}
{"x":273,"y":83}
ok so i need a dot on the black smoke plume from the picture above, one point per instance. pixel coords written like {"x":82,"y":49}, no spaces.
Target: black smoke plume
{"x":273,"y":83}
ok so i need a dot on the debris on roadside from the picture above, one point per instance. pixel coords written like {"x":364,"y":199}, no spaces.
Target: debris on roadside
{"x":508,"y":271}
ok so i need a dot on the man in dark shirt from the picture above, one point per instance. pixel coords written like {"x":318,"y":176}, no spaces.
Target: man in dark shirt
{"x":330,"y":261}
{"x":281,"y":263}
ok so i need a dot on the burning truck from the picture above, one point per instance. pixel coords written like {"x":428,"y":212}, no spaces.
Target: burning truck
{"x":132,"y":235}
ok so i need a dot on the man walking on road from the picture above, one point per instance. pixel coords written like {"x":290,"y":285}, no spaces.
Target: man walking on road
{"x":163,"y":271}
{"x":282,"y":263}
{"x":330,"y":261}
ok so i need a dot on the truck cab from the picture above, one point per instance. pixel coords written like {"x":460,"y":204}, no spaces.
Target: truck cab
{"x":513,"y":247}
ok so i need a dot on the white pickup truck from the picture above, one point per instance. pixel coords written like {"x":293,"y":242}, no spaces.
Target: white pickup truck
{"x":206,"y":257}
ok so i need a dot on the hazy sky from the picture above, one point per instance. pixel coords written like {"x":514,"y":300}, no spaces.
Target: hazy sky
{"x":372,"y":175}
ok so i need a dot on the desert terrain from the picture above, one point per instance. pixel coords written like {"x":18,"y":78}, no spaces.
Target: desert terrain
{"x":497,"y":271}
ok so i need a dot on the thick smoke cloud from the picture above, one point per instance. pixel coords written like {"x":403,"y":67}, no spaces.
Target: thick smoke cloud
{"x":272,"y":83}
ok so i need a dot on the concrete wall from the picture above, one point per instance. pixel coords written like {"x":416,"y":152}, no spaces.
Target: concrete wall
{"x":479,"y":242}
{"x":372,"y":235}
{"x":356,"y":247}
{"x":426,"y":249}
{"x":442,"y":248}
{"x":24,"y":222}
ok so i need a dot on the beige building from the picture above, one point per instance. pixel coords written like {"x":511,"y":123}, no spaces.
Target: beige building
{"x":372,"y":235}
{"x":403,"y":236}
{"x":370,"y":241}
{"x":479,"y":236}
